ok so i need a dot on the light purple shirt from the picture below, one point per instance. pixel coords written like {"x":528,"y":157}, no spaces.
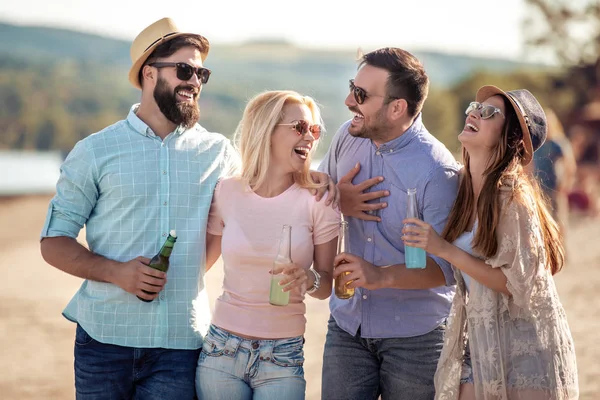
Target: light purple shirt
{"x":418,"y":160}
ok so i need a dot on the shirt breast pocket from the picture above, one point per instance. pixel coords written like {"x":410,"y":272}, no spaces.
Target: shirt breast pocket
{"x":393,"y":215}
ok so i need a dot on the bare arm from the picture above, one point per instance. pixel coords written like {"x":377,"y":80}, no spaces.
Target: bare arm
{"x":477,"y":269}
{"x":365,"y":274}
{"x":421,"y":234}
{"x":213,"y":250}
{"x":133,"y":276}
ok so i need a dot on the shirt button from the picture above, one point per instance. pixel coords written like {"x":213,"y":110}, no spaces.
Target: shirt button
{"x":164,"y":234}
{"x":378,"y":153}
{"x":364,"y":296}
{"x":391,"y":150}
{"x":162,"y":295}
{"x":369,"y":239}
{"x":165,"y":203}
{"x":162,"y":144}
{"x":164,"y":172}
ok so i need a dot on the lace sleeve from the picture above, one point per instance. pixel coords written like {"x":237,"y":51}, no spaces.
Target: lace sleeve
{"x":519,"y":251}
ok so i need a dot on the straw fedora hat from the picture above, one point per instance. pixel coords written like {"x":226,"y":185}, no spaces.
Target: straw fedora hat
{"x":144,"y":44}
{"x":529,"y":112}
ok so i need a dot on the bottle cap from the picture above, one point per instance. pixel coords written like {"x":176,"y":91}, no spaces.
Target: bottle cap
{"x":173,"y":233}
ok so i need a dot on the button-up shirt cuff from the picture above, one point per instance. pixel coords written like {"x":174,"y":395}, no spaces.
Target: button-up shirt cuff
{"x":57,"y":225}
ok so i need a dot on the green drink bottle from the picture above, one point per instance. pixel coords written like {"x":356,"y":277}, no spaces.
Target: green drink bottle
{"x":277,"y":296}
{"x":161,"y":260}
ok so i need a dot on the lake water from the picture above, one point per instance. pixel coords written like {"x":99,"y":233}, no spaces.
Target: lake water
{"x":25,"y":172}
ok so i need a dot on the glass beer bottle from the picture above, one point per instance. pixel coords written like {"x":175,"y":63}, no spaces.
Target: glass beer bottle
{"x":277,"y":296}
{"x":161,"y":260}
{"x":414,"y":256}
{"x":342,"y":290}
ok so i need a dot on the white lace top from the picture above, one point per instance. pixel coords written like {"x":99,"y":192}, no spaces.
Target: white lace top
{"x":521,"y":346}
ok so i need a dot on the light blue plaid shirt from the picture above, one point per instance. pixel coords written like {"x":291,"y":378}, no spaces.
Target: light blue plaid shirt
{"x":129,"y":189}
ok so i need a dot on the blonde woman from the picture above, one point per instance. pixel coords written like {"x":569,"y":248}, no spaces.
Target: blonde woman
{"x":254,"y":350}
{"x":508,"y":336}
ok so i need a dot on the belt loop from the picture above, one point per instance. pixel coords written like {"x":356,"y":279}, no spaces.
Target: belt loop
{"x":232,"y":344}
{"x":266,"y":350}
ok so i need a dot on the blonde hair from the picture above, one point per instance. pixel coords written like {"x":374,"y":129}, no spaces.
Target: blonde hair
{"x":253,"y":135}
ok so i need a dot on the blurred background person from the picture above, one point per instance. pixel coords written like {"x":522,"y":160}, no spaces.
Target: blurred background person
{"x":554,"y":166}
{"x":586,"y":151}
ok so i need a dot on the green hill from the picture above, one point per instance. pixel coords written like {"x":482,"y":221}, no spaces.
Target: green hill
{"x":57,"y":85}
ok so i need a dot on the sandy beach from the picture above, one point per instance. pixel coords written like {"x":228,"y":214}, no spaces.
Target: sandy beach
{"x":37,"y":342}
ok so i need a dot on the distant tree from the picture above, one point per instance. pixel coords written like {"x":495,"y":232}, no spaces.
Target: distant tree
{"x":569,"y":30}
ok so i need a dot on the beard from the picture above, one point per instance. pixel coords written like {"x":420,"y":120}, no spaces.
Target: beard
{"x":179,"y":113}
{"x":375,"y":129}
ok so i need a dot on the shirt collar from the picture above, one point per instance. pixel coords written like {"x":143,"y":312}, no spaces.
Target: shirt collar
{"x":405,"y":138}
{"x":140,"y":126}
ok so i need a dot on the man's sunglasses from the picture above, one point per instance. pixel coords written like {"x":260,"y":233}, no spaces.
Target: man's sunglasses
{"x":185,"y":71}
{"x":303,"y":127}
{"x":485,"y":110}
{"x":360,"y":94}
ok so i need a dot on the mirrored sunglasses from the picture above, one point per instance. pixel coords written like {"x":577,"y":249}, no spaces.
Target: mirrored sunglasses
{"x":303,"y":127}
{"x":485,"y":110}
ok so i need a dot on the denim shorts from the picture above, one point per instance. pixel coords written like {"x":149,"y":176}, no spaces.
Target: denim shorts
{"x":232,"y":367}
{"x":466,"y":374}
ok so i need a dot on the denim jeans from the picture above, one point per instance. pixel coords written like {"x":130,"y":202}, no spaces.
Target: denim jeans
{"x":356,"y":368}
{"x":231,"y":367}
{"x":110,"y":372}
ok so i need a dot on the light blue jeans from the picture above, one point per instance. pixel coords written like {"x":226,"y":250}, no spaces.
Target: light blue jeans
{"x":231,"y":367}
{"x":357,"y":368}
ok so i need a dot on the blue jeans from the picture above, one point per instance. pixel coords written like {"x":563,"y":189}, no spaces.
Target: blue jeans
{"x":110,"y":372}
{"x":231,"y":367}
{"x":356,"y":368}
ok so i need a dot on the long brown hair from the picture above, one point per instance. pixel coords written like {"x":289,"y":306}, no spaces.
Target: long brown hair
{"x":504,"y":166}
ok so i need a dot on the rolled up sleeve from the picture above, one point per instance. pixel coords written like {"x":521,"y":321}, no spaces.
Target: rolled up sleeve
{"x":438,"y":198}
{"x":76,"y":195}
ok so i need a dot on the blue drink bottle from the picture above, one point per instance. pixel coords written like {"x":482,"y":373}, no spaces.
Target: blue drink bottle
{"x":413,"y":256}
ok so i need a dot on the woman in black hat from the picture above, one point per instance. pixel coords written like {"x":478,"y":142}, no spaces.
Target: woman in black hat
{"x":508,"y":336}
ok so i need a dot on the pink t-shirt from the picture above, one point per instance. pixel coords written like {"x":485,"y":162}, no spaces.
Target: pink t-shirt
{"x":251,"y":227}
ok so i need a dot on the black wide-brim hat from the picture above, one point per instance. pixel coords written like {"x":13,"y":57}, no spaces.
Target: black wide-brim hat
{"x":529,"y":112}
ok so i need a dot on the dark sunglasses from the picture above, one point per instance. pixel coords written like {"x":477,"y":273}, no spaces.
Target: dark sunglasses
{"x":302,"y":128}
{"x":185,"y":71}
{"x":360,"y":94}
{"x":485,"y":110}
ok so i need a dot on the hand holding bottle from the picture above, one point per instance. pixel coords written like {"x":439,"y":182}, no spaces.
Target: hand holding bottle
{"x":294,"y":276}
{"x":135,"y":276}
{"x":420,"y":234}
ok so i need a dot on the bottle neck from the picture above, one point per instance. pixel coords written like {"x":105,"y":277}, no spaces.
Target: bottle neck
{"x":343,"y":239}
{"x":167,"y":247}
{"x":285,"y":245}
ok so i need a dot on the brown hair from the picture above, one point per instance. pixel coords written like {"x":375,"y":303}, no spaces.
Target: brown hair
{"x":170,"y":47}
{"x":504,"y":165}
{"x":408,"y":79}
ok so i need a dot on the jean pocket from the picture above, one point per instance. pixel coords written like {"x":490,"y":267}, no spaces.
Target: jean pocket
{"x":81,"y":337}
{"x":212,"y":346}
{"x":289,"y":353}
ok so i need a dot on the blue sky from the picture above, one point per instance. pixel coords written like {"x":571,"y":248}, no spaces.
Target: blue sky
{"x":459,"y":26}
